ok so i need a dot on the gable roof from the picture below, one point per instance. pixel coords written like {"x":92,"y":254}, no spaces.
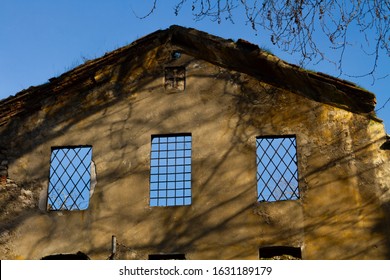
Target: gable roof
{"x":240,"y":56}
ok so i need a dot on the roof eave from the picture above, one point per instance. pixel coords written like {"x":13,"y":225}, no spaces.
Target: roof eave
{"x":262,"y":65}
{"x":241,"y":56}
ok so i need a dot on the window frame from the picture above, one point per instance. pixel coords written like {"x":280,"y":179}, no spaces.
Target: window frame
{"x":270,"y":193}
{"x":171,"y":171}
{"x":83,"y":190}
{"x":175,"y":78}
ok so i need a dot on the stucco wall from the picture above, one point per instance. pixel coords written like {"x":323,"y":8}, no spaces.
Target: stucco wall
{"x":343,"y":212}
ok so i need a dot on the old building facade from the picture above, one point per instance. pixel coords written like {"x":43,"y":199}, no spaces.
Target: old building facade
{"x":186,"y":145}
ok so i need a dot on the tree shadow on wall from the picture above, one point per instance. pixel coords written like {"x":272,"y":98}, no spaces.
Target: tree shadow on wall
{"x":226,"y":208}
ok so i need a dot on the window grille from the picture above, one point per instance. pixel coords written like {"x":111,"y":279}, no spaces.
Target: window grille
{"x":70,"y":178}
{"x":170,"y":170}
{"x":175,"y":78}
{"x":277,"y":168}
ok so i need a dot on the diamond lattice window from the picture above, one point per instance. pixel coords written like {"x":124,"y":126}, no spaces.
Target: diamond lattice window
{"x":170,"y":170}
{"x":70,"y":178}
{"x":277,"y":168}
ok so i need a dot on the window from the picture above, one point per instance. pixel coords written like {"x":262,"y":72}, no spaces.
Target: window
{"x":175,"y":55}
{"x":170,"y":170}
{"x":70,"y":178}
{"x":78,"y":256}
{"x":280,"y":253}
{"x":277,"y":168}
{"x":175,"y":78}
{"x":167,"y":257}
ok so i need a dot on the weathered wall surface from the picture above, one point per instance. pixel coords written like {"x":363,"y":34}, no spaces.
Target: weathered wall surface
{"x":343,"y":212}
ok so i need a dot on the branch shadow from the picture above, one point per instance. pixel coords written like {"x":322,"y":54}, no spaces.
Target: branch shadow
{"x":224,"y":220}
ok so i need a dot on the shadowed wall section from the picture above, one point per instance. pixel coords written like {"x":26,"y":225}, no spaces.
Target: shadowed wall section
{"x":117,"y":104}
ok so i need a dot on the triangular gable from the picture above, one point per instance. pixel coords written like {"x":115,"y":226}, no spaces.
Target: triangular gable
{"x":240,"y":56}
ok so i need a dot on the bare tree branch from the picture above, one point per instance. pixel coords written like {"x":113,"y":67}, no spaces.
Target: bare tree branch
{"x":302,"y":26}
{"x":384,"y":105}
{"x":151,"y":11}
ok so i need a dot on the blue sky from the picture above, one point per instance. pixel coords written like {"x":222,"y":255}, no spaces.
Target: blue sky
{"x":170,"y":170}
{"x":70,"y":178}
{"x":41,"y":39}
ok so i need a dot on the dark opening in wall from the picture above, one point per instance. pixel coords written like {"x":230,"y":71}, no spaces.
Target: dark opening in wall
{"x":167,"y":257}
{"x":175,"y":55}
{"x":386,"y":145}
{"x":280,"y":252}
{"x":78,"y":256}
{"x":3,"y":167}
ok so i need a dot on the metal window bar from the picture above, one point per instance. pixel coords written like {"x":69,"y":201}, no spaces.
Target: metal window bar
{"x":170,"y":170}
{"x":175,"y":78}
{"x":277,"y":168}
{"x":70,"y":178}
